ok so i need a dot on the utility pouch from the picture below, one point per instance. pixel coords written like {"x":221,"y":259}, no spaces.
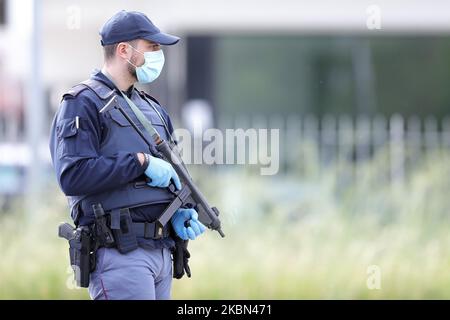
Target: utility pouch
{"x":124,"y":236}
{"x":102,"y":231}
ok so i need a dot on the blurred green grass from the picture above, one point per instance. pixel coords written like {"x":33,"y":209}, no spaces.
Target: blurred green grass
{"x":297,"y":236}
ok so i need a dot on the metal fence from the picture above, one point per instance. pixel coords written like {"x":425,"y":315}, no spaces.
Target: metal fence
{"x":315,"y":144}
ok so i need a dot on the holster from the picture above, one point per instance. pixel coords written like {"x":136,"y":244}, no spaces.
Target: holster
{"x":82,"y":251}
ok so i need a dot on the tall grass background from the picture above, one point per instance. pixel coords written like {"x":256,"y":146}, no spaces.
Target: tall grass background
{"x":314,"y":232}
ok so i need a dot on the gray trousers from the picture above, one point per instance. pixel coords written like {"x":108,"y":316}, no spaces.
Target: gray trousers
{"x":142,"y":274}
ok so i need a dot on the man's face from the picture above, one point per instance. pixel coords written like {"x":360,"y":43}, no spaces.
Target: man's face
{"x":137,"y":56}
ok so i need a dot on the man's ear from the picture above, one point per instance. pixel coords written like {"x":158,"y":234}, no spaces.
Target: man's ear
{"x":122,"y":50}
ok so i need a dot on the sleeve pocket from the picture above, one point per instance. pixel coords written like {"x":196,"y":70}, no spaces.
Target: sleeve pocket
{"x":66,"y":128}
{"x":66,"y":132}
{"x":72,"y":141}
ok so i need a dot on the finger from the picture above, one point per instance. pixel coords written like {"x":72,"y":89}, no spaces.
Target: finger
{"x":155,"y":183}
{"x":194,"y":215}
{"x":176,"y":180}
{"x":152,"y":184}
{"x":185,"y":213}
{"x":188,"y":270}
{"x":201,"y":226}
{"x":183,"y":234}
{"x":196,"y":228}
{"x":165,"y":183}
{"x":190,"y":233}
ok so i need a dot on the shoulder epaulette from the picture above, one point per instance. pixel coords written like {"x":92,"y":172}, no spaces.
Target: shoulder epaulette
{"x":74,"y":91}
{"x":99,"y":88}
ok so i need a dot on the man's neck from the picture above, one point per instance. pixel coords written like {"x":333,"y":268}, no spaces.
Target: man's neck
{"x":121,"y":82}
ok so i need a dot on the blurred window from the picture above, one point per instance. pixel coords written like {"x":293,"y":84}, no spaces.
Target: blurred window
{"x":320,"y":74}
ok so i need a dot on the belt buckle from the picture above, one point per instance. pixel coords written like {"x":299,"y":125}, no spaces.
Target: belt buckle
{"x":158,"y":231}
{"x":153,"y":230}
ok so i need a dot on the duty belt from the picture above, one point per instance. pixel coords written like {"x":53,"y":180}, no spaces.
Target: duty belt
{"x":150,"y":230}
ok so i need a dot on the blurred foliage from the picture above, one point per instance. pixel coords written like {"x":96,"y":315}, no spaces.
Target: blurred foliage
{"x":310,"y":234}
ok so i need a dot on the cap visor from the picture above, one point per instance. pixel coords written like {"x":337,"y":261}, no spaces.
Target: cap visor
{"x":162,"y":38}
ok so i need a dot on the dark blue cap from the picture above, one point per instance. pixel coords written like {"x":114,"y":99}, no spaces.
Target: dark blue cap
{"x":130,"y":25}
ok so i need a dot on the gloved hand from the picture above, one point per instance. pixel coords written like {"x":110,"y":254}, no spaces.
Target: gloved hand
{"x":195,"y":229}
{"x":181,"y":255}
{"x":160,"y":172}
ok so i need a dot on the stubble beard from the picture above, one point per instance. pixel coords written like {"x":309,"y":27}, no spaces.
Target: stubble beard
{"x":131,"y":69}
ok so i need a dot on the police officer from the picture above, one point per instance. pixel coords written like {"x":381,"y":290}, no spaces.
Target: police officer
{"x":100,"y":160}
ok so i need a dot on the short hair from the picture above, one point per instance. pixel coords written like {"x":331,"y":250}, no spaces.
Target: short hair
{"x":109,"y":51}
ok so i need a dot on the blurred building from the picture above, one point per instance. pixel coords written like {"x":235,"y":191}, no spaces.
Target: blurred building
{"x":254,"y":57}
{"x":258,"y":55}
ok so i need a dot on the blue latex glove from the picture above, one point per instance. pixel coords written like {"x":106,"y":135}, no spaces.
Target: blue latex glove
{"x":161,"y":172}
{"x":196,"y":227}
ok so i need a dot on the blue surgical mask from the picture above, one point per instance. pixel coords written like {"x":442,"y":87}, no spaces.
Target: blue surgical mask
{"x":150,"y":70}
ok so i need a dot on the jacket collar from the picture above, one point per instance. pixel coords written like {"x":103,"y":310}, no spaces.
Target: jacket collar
{"x":99,"y":76}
